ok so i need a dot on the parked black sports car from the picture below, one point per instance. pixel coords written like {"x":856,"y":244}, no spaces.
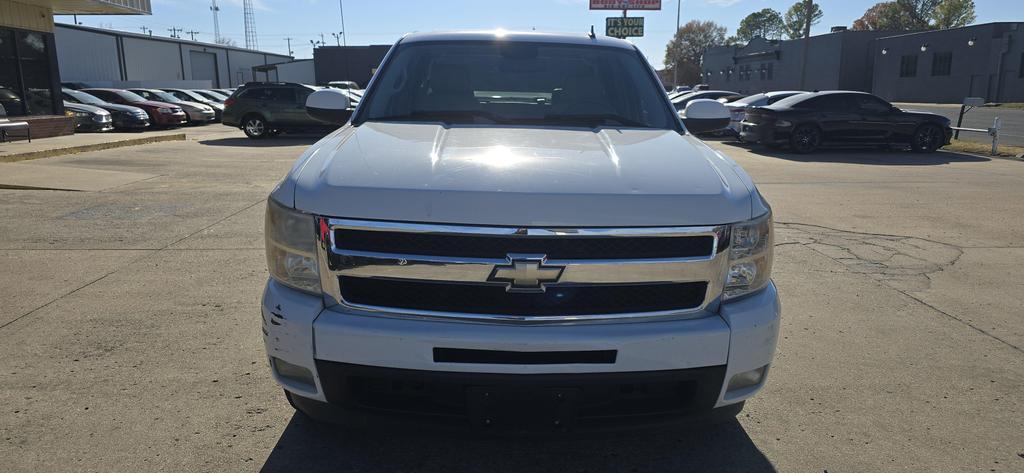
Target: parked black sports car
{"x":842,"y":118}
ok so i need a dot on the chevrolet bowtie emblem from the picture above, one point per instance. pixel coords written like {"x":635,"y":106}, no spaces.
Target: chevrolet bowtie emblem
{"x":525,"y":273}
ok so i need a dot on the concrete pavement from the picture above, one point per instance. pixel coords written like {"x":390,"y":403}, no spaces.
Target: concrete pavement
{"x":129,"y":329}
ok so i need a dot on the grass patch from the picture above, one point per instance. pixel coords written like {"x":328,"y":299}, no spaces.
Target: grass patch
{"x":983,"y":149}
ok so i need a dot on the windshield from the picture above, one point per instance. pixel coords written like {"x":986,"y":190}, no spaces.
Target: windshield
{"x":792,"y":100}
{"x":209,"y":95}
{"x":752,"y":99}
{"x":83,"y":97}
{"x":165,"y":97}
{"x":518,"y":83}
{"x":129,"y":96}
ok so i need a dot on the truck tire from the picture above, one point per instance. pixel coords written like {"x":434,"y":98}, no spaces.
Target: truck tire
{"x":255,"y":126}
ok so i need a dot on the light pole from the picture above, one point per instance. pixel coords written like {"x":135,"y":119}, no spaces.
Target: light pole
{"x":341,"y":7}
{"x":675,"y":67}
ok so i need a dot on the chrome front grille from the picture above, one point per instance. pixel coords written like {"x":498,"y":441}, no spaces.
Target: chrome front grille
{"x":526,"y":275}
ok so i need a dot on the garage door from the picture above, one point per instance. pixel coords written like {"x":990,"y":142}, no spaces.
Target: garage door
{"x":204,"y":66}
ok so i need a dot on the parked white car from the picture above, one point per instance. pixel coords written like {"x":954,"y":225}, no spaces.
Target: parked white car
{"x":516,"y":231}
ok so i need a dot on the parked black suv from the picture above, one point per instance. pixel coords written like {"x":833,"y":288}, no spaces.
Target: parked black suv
{"x":264,"y":109}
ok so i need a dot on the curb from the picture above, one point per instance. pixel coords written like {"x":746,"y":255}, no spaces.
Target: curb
{"x":49,"y":153}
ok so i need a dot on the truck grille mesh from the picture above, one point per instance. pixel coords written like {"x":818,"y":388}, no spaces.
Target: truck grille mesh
{"x":497,"y":246}
{"x":493,"y":299}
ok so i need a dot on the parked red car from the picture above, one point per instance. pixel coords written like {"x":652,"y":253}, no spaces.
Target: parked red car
{"x":160,"y":113}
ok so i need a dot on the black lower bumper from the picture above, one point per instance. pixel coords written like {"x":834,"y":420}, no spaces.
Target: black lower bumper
{"x":364,"y":395}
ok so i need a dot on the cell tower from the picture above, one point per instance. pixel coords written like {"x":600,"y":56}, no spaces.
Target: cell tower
{"x":250,"y":25}
{"x":216,"y":24}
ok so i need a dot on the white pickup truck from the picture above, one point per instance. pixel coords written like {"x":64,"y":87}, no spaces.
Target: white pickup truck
{"x":516,"y":231}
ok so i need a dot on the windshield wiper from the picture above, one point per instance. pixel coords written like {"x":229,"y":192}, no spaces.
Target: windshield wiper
{"x":597,"y":119}
{"x":445,"y":116}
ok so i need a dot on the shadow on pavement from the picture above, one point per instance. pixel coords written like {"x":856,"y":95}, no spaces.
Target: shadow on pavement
{"x":284,"y":140}
{"x":308,"y":446}
{"x":883,"y":157}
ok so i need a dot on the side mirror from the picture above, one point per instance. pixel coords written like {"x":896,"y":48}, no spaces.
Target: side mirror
{"x":329,"y":105}
{"x":704,"y":115}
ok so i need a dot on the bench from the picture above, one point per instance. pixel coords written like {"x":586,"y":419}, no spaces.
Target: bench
{"x":6,"y":125}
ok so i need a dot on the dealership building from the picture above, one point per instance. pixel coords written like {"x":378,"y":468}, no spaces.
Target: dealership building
{"x":109,"y":58}
{"x":29,"y":70}
{"x":941,"y":66}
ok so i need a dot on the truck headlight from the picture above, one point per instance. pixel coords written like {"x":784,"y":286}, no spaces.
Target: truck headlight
{"x":291,"y":248}
{"x":750,"y":257}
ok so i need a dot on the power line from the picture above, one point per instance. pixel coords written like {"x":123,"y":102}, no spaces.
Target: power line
{"x":192,"y":34}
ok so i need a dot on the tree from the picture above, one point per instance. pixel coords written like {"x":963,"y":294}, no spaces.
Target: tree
{"x":688,"y":46}
{"x":766,"y":23}
{"x":796,"y":19}
{"x":954,"y":14}
{"x":918,"y":13}
{"x":910,"y":15}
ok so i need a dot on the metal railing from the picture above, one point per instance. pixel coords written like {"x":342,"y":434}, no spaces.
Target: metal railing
{"x":992,"y":131}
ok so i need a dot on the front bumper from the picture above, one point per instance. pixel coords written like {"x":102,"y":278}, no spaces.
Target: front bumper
{"x":169,"y":119}
{"x":703,"y":354}
{"x":201,"y":116}
{"x":92,"y":124}
{"x":130,"y":121}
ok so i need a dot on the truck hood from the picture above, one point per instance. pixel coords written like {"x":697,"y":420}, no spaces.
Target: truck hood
{"x":518,"y":176}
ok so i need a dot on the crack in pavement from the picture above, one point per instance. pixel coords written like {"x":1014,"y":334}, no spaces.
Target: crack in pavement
{"x":903,"y":263}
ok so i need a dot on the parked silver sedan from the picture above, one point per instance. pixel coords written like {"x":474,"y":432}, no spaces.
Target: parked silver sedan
{"x":197,"y":113}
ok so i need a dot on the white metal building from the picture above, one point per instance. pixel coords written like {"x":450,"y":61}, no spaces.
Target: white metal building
{"x":101,"y":57}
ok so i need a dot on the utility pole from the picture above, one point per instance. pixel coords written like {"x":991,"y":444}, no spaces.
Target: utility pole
{"x":808,"y":11}
{"x":174,"y":32}
{"x":337,"y":38}
{"x":341,"y":7}
{"x":675,"y":67}
{"x":216,"y":23}
{"x":192,"y":34}
{"x":290,"y":52}
{"x":322,"y":42}
{"x":146,"y":30}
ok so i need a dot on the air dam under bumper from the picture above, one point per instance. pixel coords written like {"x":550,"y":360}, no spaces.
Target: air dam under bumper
{"x":359,"y":361}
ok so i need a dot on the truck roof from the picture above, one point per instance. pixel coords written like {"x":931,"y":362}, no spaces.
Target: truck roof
{"x":521,"y":36}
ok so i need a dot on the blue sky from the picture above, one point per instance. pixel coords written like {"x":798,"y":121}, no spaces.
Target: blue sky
{"x":384,"y":21}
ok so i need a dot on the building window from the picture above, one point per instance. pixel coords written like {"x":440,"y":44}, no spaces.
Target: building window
{"x":908,"y":66}
{"x":26,"y":78}
{"x":942,"y":64}
{"x":10,"y":82}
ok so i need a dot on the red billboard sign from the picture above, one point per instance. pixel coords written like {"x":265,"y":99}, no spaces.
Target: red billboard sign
{"x":625,"y":4}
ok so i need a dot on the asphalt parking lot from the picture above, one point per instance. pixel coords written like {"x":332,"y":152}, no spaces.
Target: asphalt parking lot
{"x":130,"y":340}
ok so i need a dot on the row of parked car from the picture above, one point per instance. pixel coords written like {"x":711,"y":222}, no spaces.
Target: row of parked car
{"x":106,"y":109}
{"x":807,"y":121}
